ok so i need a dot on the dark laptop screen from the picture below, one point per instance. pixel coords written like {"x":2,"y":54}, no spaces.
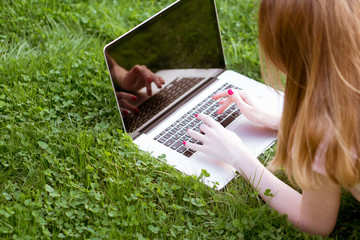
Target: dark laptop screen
{"x":184,"y":36}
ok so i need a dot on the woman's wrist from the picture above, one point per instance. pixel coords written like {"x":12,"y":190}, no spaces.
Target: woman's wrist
{"x":270,"y":120}
{"x":246,"y":164}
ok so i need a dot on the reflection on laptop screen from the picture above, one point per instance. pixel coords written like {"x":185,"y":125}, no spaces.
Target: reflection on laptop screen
{"x":184,"y":36}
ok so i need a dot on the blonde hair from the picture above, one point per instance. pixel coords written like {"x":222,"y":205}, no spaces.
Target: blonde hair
{"x":316,"y":43}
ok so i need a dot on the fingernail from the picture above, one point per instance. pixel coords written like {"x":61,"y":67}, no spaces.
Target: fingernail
{"x":136,"y":110}
{"x":196,"y":115}
{"x":184,"y":143}
{"x":230,"y":92}
{"x":125,"y":112}
{"x":134,"y":98}
{"x":149,"y":80}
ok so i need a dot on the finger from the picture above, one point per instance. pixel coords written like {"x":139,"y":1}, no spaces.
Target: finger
{"x":148,"y":85}
{"x":124,"y":111}
{"x":130,"y":107}
{"x":125,"y":105}
{"x":196,"y":135}
{"x":194,"y":146}
{"x":147,"y":82}
{"x":220,"y":95}
{"x":145,"y":74}
{"x":224,"y":105}
{"x":221,"y":101}
{"x":204,"y":129}
{"x":159,"y":81}
{"x":154,"y":78}
{"x":245,"y":95}
{"x":126,"y":96}
{"x":207,"y":120}
{"x":235,"y":96}
{"x":248,"y":97}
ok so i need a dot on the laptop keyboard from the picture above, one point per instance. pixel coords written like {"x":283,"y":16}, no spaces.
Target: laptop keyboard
{"x":159,"y":101}
{"x":175,"y":134}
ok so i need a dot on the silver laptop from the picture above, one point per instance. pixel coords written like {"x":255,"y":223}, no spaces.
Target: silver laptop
{"x":182,"y":44}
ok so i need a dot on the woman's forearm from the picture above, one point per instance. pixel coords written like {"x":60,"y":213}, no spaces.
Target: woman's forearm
{"x":314,"y":211}
{"x":275,"y":192}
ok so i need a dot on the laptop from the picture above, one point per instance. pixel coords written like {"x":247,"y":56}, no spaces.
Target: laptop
{"x":182,"y":45}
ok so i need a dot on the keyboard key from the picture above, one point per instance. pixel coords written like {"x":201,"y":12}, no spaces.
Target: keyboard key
{"x":219,"y":118}
{"x":213,"y":108}
{"x":169,"y":142}
{"x":167,"y":135}
{"x":228,"y":111}
{"x":233,"y":106}
{"x":181,"y":149}
{"x":188,"y":153}
{"x":185,"y":138}
{"x":176,"y":145}
{"x":182,"y":132}
{"x":162,"y":140}
{"x":176,"y":136}
{"x":236,"y":113}
{"x":192,"y":140}
{"x":227,"y":121}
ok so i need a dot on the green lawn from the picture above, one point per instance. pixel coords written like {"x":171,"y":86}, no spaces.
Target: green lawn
{"x":66,"y":168}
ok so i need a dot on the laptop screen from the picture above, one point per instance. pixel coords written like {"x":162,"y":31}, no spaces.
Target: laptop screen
{"x":183,"y":36}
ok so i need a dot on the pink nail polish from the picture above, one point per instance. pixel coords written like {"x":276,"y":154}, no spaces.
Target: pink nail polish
{"x":136,"y":110}
{"x":230,"y":92}
{"x":134,"y":98}
{"x":149,"y":80}
{"x":184,"y":143}
{"x":125,"y":112}
{"x":196,"y":115}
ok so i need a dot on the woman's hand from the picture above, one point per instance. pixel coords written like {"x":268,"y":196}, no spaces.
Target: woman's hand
{"x":124,"y":100}
{"x":249,"y":105}
{"x":139,"y":77}
{"x":220,"y":143}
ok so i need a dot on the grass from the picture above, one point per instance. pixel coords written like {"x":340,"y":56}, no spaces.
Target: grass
{"x":67,"y":170}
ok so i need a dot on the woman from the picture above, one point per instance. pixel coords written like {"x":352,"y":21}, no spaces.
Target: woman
{"x":315,"y":44}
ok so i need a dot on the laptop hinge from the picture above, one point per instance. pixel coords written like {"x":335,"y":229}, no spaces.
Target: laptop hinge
{"x":172,"y":109}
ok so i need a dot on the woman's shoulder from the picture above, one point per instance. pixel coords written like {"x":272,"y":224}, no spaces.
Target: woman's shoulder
{"x":318,"y":165}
